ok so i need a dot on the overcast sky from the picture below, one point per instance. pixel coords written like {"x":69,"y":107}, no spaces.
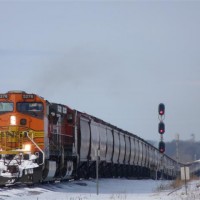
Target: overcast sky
{"x":116,"y":60}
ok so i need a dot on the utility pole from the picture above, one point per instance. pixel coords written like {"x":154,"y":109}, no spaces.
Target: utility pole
{"x":97,"y":170}
{"x":177,"y":150}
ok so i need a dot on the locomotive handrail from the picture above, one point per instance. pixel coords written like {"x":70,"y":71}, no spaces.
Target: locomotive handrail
{"x":43,"y":159}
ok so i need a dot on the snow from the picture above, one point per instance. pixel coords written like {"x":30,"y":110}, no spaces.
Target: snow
{"x":109,"y":189}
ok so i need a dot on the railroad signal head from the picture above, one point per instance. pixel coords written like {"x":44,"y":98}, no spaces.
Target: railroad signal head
{"x":161,"y":109}
{"x":161,"y":147}
{"x":161,"y":127}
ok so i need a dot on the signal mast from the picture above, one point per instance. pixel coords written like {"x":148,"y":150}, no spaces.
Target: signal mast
{"x":161,"y":126}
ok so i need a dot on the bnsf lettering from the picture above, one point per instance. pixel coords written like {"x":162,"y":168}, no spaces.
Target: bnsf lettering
{"x":7,"y":134}
{"x":3,"y":96}
{"x":28,"y":96}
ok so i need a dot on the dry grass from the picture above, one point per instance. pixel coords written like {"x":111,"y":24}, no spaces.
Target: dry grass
{"x":177,"y":183}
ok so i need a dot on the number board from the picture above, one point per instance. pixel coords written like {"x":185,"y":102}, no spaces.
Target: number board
{"x":28,"y":96}
{"x":3,"y":96}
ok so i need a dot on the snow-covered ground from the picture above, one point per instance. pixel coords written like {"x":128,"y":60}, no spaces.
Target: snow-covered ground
{"x":109,"y":189}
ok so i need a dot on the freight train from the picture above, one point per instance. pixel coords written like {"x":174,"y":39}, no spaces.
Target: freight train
{"x":42,"y":141}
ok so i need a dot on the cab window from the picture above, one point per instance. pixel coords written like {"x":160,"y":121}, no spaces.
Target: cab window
{"x":6,"y":107}
{"x":30,"y":108}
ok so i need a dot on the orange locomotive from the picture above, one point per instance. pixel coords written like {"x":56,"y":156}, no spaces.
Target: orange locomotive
{"x":36,"y":139}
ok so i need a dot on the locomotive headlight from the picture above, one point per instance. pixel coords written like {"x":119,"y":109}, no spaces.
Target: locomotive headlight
{"x":13,"y":120}
{"x":27,"y":147}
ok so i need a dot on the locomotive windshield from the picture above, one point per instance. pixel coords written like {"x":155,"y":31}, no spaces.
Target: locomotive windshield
{"x":6,"y":107}
{"x":31,"y":108}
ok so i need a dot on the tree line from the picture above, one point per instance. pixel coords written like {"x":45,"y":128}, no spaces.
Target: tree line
{"x":184,"y":151}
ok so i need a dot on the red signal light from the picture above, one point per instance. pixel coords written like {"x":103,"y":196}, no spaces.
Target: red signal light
{"x":161,"y":150}
{"x":161,"y":109}
{"x":161,"y":147}
{"x":161,"y":112}
{"x":161,"y":127}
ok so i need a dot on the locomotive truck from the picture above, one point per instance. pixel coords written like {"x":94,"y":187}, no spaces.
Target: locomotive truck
{"x":42,"y":141}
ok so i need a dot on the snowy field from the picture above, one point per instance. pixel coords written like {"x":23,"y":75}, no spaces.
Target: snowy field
{"x":109,"y":189}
